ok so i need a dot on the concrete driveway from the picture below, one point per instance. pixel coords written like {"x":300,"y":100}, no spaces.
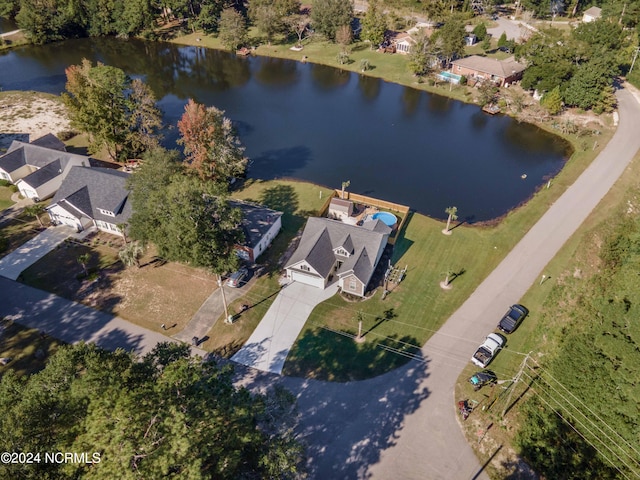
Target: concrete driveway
{"x":514,"y":29}
{"x":23,"y":257}
{"x":270,"y":342}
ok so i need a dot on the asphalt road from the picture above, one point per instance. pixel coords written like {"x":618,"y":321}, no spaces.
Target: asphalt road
{"x":404,"y":424}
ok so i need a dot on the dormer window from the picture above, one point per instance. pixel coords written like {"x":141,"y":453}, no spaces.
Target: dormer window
{"x":106,"y":212}
{"x":342,"y":252}
{"x":305,"y":268}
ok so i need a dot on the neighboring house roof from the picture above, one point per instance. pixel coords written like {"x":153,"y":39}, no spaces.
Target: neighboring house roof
{"x":594,"y":12}
{"x":256,"y":221}
{"x":45,"y":174}
{"x":13,"y":160}
{"x":321,"y":236}
{"x":499,"y":68}
{"x":90,"y":190}
{"x":38,"y":154}
{"x":50,"y":141}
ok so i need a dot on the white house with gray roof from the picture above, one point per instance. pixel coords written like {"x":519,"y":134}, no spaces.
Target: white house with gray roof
{"x":260,"y":226}
{"x":38,"y":168}
{"x":329,"y":248}
{"x":92,"y":197}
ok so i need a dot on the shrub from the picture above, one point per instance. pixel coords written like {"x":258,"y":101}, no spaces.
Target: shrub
{"x":5,"y":183}
{"x":65,"y":135}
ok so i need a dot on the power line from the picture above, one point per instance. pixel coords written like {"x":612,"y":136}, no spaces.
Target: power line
{"x":584,"y":427}
{"x":592,"y":412}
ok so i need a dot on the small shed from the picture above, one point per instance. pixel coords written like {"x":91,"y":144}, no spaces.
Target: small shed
{"x":591,"y":14}
{"x":340,"y":209}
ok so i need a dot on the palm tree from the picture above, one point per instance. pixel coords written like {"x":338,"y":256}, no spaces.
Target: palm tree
{"x":130,"y":254}
{"x":35,"y":210}
{"x":83,"y":259}
{"x":345,"y":185}
{"x":452,"y":212}
{"x":359,"y":317}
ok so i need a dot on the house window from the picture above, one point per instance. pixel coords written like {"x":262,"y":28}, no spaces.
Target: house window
{"x":107,"y":212}
{"x":4,"y":176}
{"x":305,"y":268}
{"x":352,"y":284}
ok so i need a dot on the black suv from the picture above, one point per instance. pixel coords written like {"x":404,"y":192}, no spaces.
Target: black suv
{"x":512,"y":318}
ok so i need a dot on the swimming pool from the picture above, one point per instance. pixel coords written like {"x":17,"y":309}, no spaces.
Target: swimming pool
{"x":389,"y":219}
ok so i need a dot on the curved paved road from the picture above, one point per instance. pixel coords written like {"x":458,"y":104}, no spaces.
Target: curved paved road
{"x":403,"y":424}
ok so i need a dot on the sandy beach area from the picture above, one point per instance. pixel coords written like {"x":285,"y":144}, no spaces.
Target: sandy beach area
{"x":26,"y":116}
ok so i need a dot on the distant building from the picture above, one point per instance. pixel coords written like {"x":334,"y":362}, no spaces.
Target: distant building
{"x":591,"y":14}
{"x":260,"y":226}
{"x":39,"y":167}
{"x":475,"y":67}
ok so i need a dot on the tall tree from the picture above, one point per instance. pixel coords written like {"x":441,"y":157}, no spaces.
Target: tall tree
{"x":329,"y":15}
{"x":374,"y":24}
{"x":450,"y":38}
{"x":119,"y":115}
{"x":211,"y":147}
{"x":164,"y":415}
{"x":232,"y":29}
{"x":269,"y":16}
{"x":422,"y":56}
{"x":188,"y":220}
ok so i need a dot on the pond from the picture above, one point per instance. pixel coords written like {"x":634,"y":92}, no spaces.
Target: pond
{"x":326,"y":125}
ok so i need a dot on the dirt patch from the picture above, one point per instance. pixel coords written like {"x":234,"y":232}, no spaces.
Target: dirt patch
{"x":158,"y":292}
{"x":30,"y":113}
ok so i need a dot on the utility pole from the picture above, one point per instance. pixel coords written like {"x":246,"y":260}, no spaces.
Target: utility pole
{"x":224,"y":300}
{"x":635,"y":55}
{"x":515,"y":381}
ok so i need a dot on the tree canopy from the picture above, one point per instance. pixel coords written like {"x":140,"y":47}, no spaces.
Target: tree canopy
{"x":374,"y":24}
{"x":329,"y":15}
{"x":189,"y":220}
{"x":232,"y":29}
{"x":164,"y":415}
{"x":210,"y":145}
{"x":117,"y":113}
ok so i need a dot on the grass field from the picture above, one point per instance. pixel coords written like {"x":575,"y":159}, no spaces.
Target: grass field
{"x":20,"y":230}
{"x":5,"y":198}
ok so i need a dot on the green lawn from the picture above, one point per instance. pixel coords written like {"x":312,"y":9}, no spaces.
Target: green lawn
{"x":418,"y":306}
{"x":5,"y":197}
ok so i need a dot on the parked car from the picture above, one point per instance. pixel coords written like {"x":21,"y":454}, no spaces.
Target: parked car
{"x":480,"y":379}
{"x":513,"y":318}
{"x":236,"y":278}
{"x":488,"y":350}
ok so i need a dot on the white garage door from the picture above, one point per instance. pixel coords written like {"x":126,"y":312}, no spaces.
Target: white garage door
{"x":307,"y":279}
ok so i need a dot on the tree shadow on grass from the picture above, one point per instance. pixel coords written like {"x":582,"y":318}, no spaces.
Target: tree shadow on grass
{"x":326,"y":355}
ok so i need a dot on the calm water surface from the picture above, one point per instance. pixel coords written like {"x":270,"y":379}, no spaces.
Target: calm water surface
{"x":324,"y":125}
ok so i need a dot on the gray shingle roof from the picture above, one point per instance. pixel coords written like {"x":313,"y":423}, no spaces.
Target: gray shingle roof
{"x":13,"y":160}
{"x":322,"y":235}
{"x":91,"y":189}
{"x":44,"y":174}
{"x":49,"y":141}
{"x":256,"y":221}
{"x":500,"y":68}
